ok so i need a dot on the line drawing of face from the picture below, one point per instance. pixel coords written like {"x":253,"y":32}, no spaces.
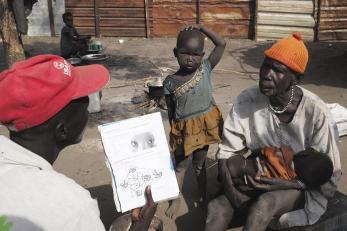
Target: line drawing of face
{"x":142,"y":141}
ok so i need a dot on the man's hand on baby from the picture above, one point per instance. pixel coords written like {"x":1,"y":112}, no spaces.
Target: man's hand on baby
{"x":272,"y":184}
{"x":235,"y":197}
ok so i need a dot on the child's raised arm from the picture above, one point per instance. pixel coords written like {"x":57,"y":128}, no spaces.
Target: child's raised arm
{"x":217,"y":40}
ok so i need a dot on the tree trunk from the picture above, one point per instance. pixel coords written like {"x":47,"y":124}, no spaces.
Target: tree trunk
{"x":13,"y":48}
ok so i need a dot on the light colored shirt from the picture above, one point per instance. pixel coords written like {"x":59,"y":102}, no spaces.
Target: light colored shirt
{"x":34,"y":197}
{"x":251,"y":125}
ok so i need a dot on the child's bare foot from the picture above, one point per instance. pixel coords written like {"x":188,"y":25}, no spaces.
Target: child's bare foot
{"x":173,"y":208}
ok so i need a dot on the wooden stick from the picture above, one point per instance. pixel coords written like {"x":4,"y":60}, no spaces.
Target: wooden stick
{"x":51,"y":17}
{"x":148,"y":25}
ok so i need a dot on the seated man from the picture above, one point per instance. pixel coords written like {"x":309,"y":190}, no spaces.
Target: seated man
{"x":71,"y":43}
{"x":44,"y":115}
{"x":277,"y":113}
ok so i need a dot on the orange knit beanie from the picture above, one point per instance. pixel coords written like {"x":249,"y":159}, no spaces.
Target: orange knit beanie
{"x":291,"y":52}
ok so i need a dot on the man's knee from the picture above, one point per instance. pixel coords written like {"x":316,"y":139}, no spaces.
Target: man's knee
{"x":220,"y":206}
{"x":265,"y":207}
{"x":219,"y":214}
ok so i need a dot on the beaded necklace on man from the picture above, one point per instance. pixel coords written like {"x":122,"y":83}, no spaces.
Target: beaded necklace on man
{"x":278,"y":110}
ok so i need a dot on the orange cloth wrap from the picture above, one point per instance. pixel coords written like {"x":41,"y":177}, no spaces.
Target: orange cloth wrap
{"x":279,"y":166}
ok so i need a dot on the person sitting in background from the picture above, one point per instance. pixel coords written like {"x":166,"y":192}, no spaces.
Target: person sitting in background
{"x":71,"y":43}
{"x":45,"y":115}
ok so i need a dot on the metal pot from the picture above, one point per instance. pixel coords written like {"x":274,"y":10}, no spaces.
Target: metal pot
{"x":155,"y":89}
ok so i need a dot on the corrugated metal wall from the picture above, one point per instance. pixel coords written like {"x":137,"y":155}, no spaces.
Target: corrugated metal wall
{"x":278,"y":19}
{"x":332,"y":20}
{"x":230,"y":18}
{"x":123,"y":18}
{"x":84,"y":15}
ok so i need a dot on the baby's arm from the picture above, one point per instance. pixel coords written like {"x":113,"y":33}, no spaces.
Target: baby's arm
{"x":217,"y":40}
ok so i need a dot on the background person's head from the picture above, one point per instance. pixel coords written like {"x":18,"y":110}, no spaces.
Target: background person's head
{"x":284,"y":65}
{"x":68,"y":18}
{"x":46,"y":101}
{"x":313,"y":168}
{"x":189,"y":49}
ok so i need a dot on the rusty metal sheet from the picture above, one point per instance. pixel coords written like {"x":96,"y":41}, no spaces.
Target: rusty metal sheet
{"x":177,"y":11}
{"x":169,"y":27}
{"x":225,"y":13}
{"x":79,"y":3}
{"x":122,"y":32}
{"x":333,"y":20}
{"x":123,"y":12}
{"x":123,"y":22}
{"x":81,"y":12}
{"x":110,"y":17}
{"x":333,"y":3}
{"x":84,"y":21}
{"x":122,"y":3}
{"x":232,"y":18}
{"x":228,"y":30}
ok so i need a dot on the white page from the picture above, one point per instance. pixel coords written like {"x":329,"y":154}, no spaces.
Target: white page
{"x":138,"y":155}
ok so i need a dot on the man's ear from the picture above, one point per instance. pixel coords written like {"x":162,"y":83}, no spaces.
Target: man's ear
{"x":60,"y":132}
{"x":175,"y":51}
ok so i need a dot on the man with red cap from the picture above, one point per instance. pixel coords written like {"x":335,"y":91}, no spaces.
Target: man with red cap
{"x":275,"y":114}
{"x":44,"y":104}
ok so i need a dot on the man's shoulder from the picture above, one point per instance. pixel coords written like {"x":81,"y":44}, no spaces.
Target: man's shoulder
{"x":51,"y":194}
{"x":249,"y":96}
{"x":248,"y":102}
{"x":313,"y":101}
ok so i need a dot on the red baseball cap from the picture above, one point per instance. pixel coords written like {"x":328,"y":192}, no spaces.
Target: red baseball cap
{"x":34,"y":90}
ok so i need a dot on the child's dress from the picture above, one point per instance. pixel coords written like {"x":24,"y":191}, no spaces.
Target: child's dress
{"x":197,"y":121}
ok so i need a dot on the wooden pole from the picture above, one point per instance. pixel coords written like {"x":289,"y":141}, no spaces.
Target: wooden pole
{"x":97,"y":18}
{"x":197,"y":11}
{"x":148,"y":25}
{"x":13,"y":48}
{"x":51,"y":17}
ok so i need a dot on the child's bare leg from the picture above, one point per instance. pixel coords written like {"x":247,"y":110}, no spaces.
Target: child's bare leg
{"x":272,"y":204}
{"x":182,"y":164}
{"x":219,"y":214}
{"x":198,"y":162}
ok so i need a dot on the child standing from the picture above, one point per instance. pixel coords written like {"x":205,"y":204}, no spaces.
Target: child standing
{"x":194,"y":117}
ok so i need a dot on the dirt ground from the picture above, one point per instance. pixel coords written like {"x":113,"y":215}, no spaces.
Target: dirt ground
{"x":135,"y":59}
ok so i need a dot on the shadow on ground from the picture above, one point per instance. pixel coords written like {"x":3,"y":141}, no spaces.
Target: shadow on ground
{"x":196,"y":216}
{"x":327,"y":62}
{"x":104,"y":195}
{"x":134,"y":67}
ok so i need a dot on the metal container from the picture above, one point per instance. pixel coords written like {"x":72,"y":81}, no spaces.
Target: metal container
{"x":155,"y":89}
{"x":74,"y":61}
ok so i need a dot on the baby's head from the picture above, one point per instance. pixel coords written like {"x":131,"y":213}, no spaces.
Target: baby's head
{"x":313,"y":168}
{"x":189,"y":49}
